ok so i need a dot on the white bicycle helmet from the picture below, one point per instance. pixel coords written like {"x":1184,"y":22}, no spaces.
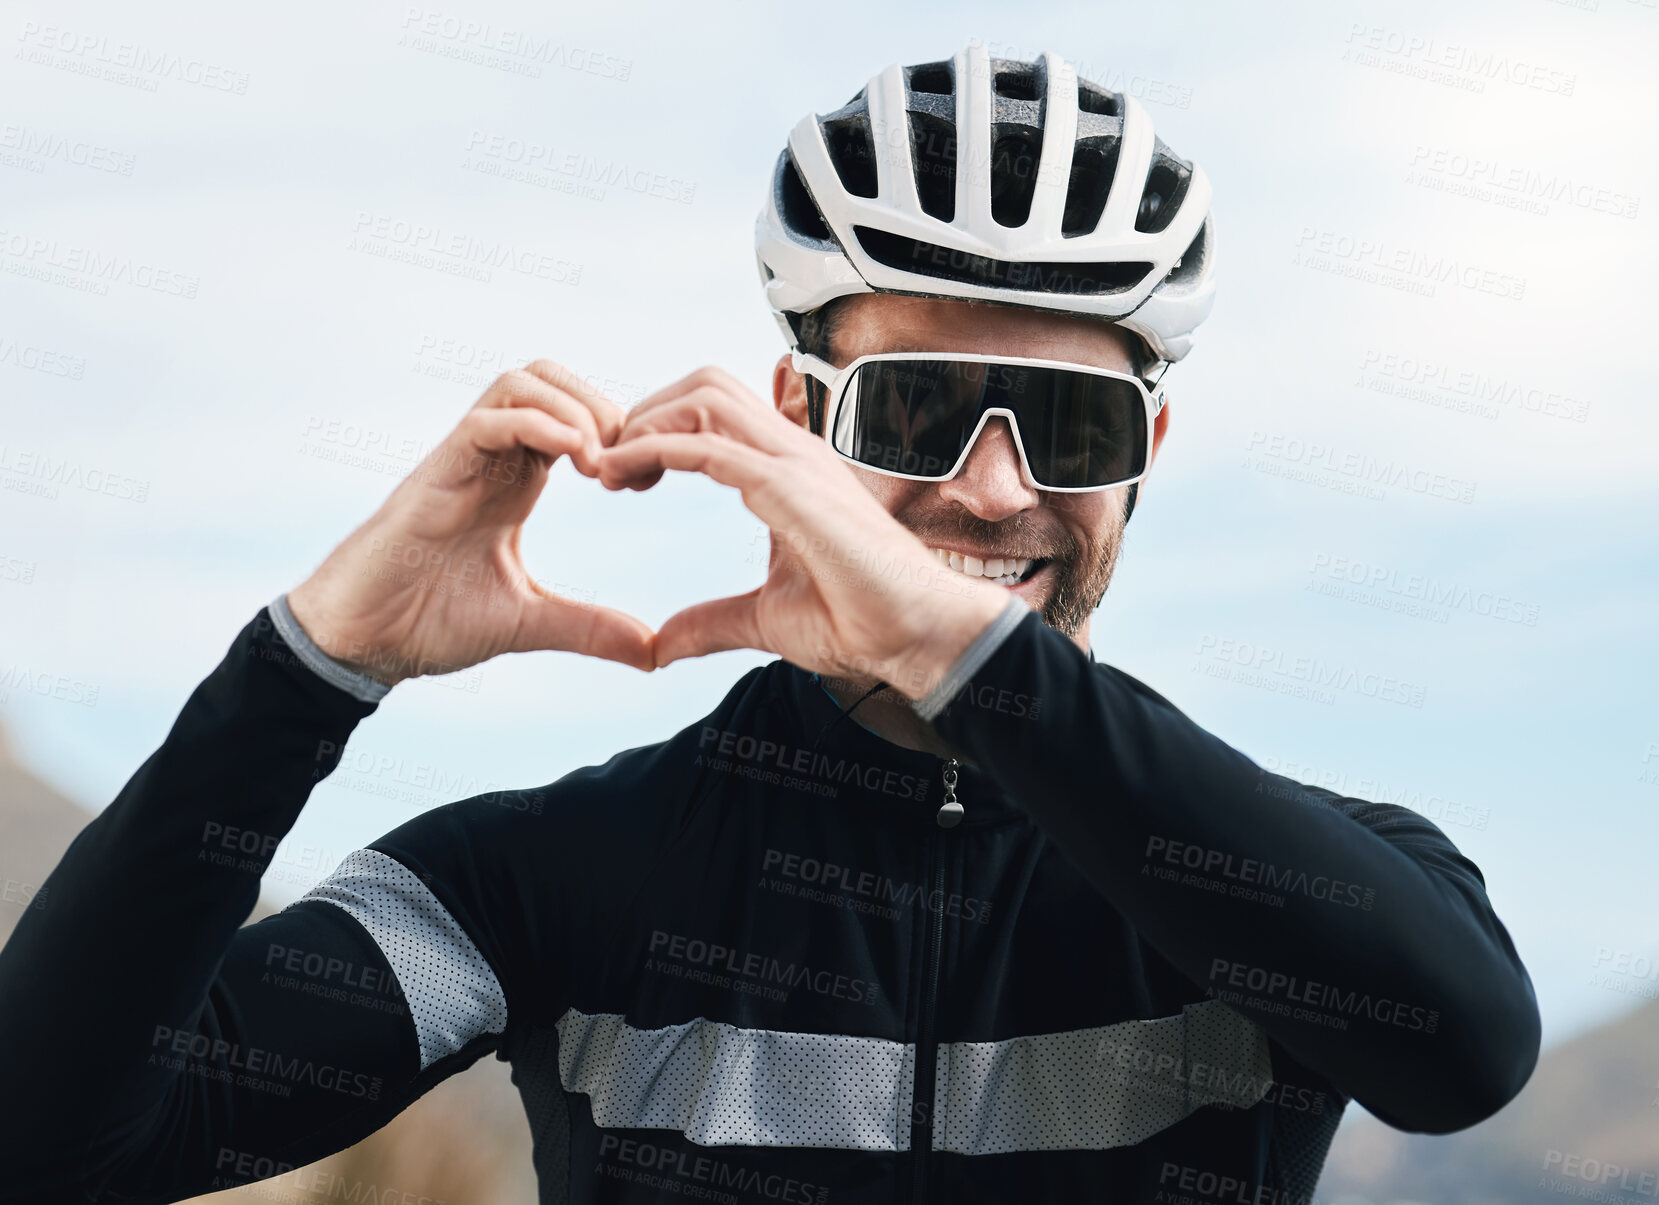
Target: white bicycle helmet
{"x":995,"y":180}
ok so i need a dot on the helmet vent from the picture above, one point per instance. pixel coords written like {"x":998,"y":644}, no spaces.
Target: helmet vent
{"x":1014,"y":157}
{"x":1016,"y":85}
{"x":1017,"y":115}
{"x":946,"y":263}
{"x":795,"y":204}
{"x":1166,"y":187}
{"x":932,"y":77}
{"x":933,"y":157}
{"x":1091,"y":99}
{"x":852,"y":152}
{"x":1189,"y":267}
{"x":1094,"y":162}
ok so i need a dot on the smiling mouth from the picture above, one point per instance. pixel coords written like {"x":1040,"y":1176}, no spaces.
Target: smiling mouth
{"x":1002,"y":571}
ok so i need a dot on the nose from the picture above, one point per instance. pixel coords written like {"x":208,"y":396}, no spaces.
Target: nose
{"x":990,"y":483}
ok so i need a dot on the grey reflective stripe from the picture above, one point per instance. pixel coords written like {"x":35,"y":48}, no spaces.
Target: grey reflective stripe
{"x":723,"y":1086}
{"x":970,"y":660}
{"x":1083,"y":1089}
{"x":1088,"y":1089}
{"x":354,"y":682}
{"x":452,"y":993}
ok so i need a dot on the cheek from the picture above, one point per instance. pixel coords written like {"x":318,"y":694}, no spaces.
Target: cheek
{"x":1092,"y":521}
{"x":894,"y":493}
{"x":1089,"y":516}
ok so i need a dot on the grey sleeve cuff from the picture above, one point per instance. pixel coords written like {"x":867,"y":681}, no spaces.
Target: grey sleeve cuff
{"x":355,"y":683}
{"x":974,"y":656}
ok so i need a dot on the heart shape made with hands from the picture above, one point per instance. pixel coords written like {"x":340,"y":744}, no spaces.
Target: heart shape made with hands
{"x":849,"y":590}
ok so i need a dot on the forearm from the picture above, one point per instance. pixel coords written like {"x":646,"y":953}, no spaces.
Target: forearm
{"x":1259,"y":889}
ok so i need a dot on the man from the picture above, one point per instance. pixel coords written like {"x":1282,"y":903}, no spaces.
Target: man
{"x":932,"y":908}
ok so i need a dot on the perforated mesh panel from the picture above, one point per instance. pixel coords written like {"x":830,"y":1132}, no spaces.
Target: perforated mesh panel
{"x":723,"y":1086}
{"x":1086,"y":1089}
{"x":1115,"y":1085}
{"x":1301,"y":1142}
{"x":453,"y":994}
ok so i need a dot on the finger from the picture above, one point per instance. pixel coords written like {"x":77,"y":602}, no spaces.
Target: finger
{"x":711,"y":627}
{"x":550,"y":622}
{"x":706,"y":377}
{"x":715,"y":456}
{"x":523,"y":389}
{"x":713,"y":408}
{"x":506,"y":431}
{"x":642,"y":483}
{"x":607,"y":414}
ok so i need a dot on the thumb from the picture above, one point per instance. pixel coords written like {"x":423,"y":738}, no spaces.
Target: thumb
{"x":550,"y":622}
{"x":711,"y":627}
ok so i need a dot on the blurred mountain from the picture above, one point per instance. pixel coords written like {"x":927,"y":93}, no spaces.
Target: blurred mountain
{"x":466,"y":1142}
{"x":36,"y":826}
{"x":1586,"y":1125}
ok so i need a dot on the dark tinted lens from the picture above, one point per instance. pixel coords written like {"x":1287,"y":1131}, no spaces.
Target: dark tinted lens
{"x":909,"y":416}
{"x":915,"y":416}
{"x":1078,"y":429}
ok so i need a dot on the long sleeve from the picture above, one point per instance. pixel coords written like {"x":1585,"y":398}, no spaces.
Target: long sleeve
{"x":155,"y":1048}
{"x":1355,"y":933}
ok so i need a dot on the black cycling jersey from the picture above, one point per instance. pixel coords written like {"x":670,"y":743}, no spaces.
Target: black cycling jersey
{"x":749,"y":963}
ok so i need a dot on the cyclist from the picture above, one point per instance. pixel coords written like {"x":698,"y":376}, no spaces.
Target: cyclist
{"x":933,"y":907}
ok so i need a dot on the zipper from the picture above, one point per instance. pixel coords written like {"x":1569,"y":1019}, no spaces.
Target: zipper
{"x":923,"y":1108}
{"x":950,"y":812}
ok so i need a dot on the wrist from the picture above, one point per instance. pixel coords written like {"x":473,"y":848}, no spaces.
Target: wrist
{"x":927,"y":662}
{"x":312,"y":628}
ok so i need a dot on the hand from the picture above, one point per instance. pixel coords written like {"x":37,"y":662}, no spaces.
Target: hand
{"x":848,"y":590}
{"x":433,"y":582}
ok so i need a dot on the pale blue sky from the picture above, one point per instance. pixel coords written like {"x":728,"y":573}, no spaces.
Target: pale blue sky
{"x":259,"y":148}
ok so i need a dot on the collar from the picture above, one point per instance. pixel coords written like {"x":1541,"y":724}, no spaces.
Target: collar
{"x":885,"y":766}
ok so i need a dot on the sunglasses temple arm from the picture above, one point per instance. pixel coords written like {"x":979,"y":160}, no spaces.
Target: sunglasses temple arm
{"x":812,"y":366}
{"x":1154,"y":382}
{"x":825,"y":375}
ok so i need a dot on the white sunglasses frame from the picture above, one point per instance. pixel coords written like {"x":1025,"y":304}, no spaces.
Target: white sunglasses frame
{"x":836,"y":380}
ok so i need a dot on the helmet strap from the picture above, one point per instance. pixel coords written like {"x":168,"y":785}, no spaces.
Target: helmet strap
{"x":1129,"y":507}
{"x":817,"y":397}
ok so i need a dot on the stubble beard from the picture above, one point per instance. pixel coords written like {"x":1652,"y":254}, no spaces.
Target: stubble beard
{"x":1080,"y":573}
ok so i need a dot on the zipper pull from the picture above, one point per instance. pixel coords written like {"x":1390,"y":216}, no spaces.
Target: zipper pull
{"x":950,"y":812}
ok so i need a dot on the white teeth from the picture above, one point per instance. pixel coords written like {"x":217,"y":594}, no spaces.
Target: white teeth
{"x":1005,"y":571}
